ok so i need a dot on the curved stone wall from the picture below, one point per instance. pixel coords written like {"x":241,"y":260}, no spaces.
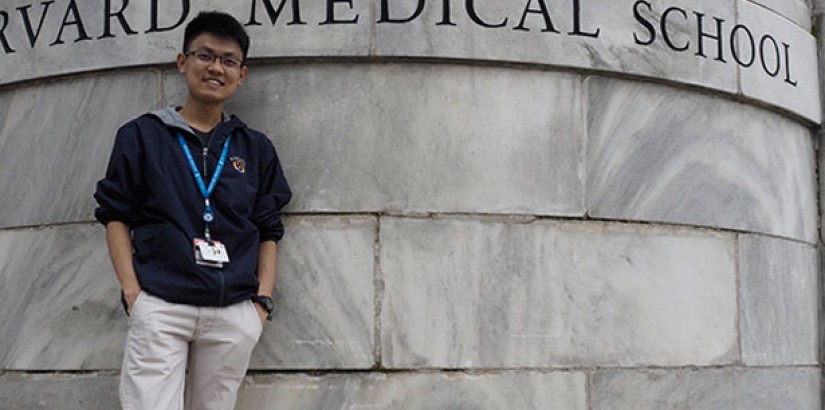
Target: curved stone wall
{"x":499,"y":204}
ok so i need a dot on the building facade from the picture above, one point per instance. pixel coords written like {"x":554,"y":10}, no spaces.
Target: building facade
{"x":521,"y":204}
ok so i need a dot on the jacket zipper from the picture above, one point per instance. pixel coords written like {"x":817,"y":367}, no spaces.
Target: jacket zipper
{"x":205,"y":153}
{"x":220,"y":274}
{"x":223,"y":288}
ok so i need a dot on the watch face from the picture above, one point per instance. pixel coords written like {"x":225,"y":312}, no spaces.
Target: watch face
{"x":265,"y":302}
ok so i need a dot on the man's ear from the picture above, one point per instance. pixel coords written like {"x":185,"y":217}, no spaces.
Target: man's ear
{"x":181,"y":63}
{"x":244,"y":74}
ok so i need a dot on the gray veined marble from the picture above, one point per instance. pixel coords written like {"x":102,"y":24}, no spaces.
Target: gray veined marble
{"x":797,"y":11}
{"x":420,"y":138}
{"x":785,"y":71}
{"x":472,"y":294}
{"x":820,"y":157}
{"x":55,"y":142}
{"x":707,"y":389}
{"x":419,"y":391}
{"x":63,"y":311}
{"x":64,"y":392}
{"x":658,"y":154}
{"x":60,"y":300}
{"x":324,"y":296}
{"x":779,"y":302}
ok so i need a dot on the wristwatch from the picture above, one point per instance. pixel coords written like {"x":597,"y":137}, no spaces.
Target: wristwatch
{"x":266,"y":303}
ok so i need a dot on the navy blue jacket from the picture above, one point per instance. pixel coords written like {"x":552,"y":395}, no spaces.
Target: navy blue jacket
{"x":150,"y":187}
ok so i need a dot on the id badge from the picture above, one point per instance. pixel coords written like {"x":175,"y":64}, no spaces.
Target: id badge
{"x":210,"y":253}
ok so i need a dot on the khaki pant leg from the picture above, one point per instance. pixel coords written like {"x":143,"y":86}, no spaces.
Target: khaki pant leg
{"x":154,"y":359}
{"x":219,"y":357}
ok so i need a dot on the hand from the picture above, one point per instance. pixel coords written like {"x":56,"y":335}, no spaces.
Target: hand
{"x":261,"y":313}
{"x":131,"y":297}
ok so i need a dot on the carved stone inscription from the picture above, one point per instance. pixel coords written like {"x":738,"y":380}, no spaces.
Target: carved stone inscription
{"x":111,"y":33}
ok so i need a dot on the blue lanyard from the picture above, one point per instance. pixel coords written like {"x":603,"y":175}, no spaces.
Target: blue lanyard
{"x":208,"y":216}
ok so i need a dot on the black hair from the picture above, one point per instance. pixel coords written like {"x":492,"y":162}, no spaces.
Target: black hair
{"x":218,"y":24}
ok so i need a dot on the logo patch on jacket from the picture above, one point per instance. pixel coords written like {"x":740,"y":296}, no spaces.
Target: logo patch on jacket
{"x":239,"y":164}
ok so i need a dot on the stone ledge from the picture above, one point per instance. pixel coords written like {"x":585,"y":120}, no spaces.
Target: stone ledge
{"x":707,"y":389}
{"x":629,"y":40}
{"x":516,"y":390}
{"x":64,"y":392}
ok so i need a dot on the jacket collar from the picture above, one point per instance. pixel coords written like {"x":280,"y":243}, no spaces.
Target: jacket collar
{"x":172,"y":118}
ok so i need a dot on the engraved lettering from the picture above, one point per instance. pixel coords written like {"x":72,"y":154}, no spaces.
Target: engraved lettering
{"x":471,"y":11}
{"x":788,"y":65}
{"x":274,"y":14}
{"x":775,"y":71}
{"x":445,"y":15}
{"x":548,"y":23}
{"x":331,"y":13}
{"x":6,"y":47}
{"x":734,"y":48}
{"x":107,"y":22}
{"x":577,"y":22}
{"x":24,"y":13}
{"x":385,"y":12}
{"x":155,"y":25}
{"x":76,"y":21}
{"x":648,"y":25}
{"x":702,"y":34}
{"x":666,"y":32}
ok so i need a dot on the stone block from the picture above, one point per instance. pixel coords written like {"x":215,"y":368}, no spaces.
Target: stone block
{"x":779,"y":302}
{"x":324,"y":296}
{"x":658,"y":154}
{"x":419,"y":138}
{"x":417,"y":391}
{"x":463,"y":293}
{"x":784,"y":70}
{"x":60,"y":299}
{"x":64,"y":392}
{"x":707,"y":389}
{"x":61,"y":296}
{"x":527,"y":37}
{"x":820,"y":156}
{"x":797,"y":11}
{"x":55,"y":142}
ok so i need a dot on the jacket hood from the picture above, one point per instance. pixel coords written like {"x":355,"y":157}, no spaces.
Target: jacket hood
{"x":172,"y":118}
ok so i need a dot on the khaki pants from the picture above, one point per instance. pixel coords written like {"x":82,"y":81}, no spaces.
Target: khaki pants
{"x":170,"y":345}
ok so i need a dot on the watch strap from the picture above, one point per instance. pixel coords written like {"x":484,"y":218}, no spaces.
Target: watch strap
{"x":266,"y":303}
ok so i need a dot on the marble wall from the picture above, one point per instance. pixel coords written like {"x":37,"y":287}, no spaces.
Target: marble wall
{"x":484,"y":217}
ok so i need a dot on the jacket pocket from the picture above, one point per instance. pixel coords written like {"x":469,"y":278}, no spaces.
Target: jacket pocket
{"x":173,"y":249}
{"x":143,"y":241}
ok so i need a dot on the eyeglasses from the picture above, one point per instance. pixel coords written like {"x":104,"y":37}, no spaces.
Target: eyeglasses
{"x":208,"y":58}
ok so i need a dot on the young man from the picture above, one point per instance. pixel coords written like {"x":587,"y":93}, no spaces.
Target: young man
{"x":191,"y":203}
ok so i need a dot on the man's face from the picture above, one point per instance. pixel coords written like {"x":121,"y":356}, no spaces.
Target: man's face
{"x":212,"y":82}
